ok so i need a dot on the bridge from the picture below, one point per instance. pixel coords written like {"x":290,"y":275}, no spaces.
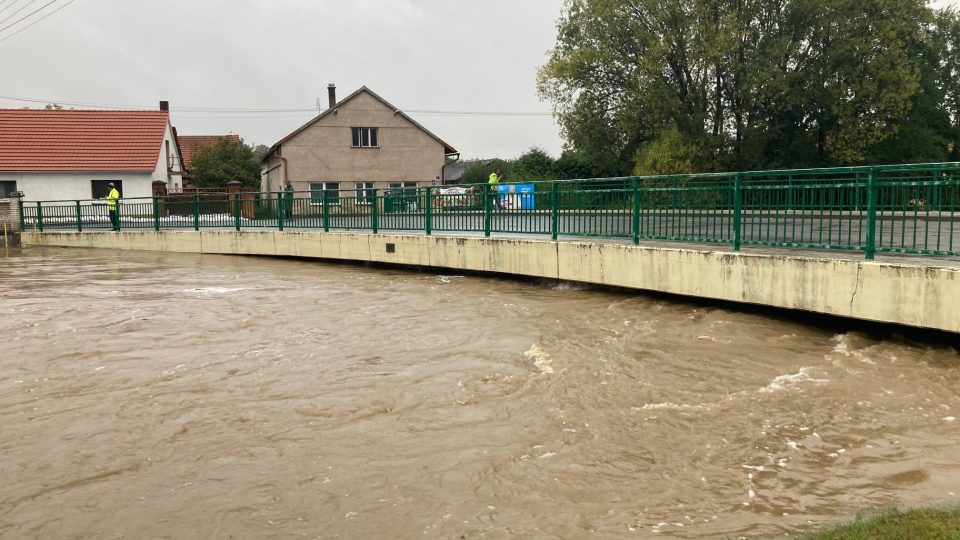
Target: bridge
{"x":801,"y":239}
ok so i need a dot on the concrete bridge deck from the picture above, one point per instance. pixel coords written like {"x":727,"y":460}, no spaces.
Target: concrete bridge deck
{"x":914,"y":291}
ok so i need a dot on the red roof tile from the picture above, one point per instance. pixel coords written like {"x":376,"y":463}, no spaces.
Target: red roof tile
{"x":80,"y":140}
{"x":191,"y":145}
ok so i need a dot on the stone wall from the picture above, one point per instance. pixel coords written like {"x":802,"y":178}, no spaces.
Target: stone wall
{"x":9,"y":215}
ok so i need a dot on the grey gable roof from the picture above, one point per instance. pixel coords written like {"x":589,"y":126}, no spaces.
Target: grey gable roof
{"x":447,"y":149}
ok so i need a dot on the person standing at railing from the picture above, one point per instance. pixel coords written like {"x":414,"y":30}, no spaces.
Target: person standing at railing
{"x":494,"y":181}
{"x":288,"y":200}
{"x":112,"y":197}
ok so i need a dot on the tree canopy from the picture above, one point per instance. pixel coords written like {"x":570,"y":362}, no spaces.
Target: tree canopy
{"x":666,"y":86}
{"x":534,"y":164}
{"x":224,"y":162}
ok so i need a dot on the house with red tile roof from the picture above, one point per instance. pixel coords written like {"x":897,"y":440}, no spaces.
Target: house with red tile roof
{"x":69,"y":154}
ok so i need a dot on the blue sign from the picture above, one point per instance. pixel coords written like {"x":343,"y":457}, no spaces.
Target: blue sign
{"x":516,"y":196}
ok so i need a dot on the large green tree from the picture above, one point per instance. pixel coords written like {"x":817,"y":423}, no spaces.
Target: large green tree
{"x":945,"y":37}
{"x":227,"y":161}
{"x":651,"y":86}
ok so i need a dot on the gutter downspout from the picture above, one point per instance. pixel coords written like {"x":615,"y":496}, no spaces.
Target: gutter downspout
{"x":283,"y":163}
{"x":443,"y":170}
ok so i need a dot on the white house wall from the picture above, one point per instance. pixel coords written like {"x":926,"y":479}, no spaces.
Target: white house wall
{"x":174,"y":181}
{"x":57,"y":186}
{"x":50,"y":186}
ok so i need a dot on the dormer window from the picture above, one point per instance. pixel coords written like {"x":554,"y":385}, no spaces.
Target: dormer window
{"x":365,"y":137}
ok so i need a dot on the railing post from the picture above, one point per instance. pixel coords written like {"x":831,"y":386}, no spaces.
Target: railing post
{"x":326,"y":211}
{"x":39,"y":224}
{"x":487,"y":203}
{"x":791,"y":194}
{"x":79,"y":218}
{"x":280,"y":210}
{"x":196,"y":212}
{"x":23,"y":219}
{"x":871,"y":214}
{"x":236,"y":211}
{"x":375,"y":213}
{"x":554,"y":210}
{"x":635,"y":213}
{"x":156,"y":214}
{"x":428,"y":218}
{"x":737,"y":205}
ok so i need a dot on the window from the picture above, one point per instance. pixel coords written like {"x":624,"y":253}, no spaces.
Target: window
{"x":395,"y":185}
{"x":7,"y":187}
{"x":408,"y":188}
{"x":365,"y":193}
{"x":403,"y":194}
{"x":365,"y":137}
{"x":101,"y":188}
{"x":317,"y":189}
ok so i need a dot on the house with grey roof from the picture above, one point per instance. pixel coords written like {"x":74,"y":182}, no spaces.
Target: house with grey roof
{"x":358,"y":144}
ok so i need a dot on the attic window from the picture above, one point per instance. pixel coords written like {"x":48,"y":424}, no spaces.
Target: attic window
{"x":365,"y":137}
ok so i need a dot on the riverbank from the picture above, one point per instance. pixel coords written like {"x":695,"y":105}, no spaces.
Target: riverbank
{"x":918,"y":523}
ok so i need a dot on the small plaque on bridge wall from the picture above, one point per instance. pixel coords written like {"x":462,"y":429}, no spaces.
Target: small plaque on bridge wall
{"x":391,"y":248}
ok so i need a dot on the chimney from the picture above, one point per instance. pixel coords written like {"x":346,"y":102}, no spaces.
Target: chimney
{"x":165,"y":106}
{"x":332,"y":93}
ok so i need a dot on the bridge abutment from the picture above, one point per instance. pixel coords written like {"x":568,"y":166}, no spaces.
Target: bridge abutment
{"x":922,"y":293}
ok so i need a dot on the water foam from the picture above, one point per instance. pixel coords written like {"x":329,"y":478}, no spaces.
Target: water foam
{"x":541,"y":359}
{"x":215,"y":291}
{"x":569,"y":286}
{"x":842,"y":347}
{"x":791,"y":381}
{"x":668,"y":406}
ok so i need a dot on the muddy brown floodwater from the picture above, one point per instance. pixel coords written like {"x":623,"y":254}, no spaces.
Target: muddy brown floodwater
{"x":179,"y":396}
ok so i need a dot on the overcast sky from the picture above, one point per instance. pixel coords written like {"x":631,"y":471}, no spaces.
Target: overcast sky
{"x":420,"y":55}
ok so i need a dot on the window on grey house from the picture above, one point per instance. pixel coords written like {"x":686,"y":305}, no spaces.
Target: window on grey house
{"x":365,"y":193}
{"x":404,"y":193}
{"x":317,"y":189}
{"x":365,"y":137}
{"x":7,"y":187}
{"x":99,"y":189}
{"x":409,"y":189}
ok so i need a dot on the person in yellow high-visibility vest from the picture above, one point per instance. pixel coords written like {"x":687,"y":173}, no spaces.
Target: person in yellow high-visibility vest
{"x":112,"y":199}
{"x":495,"y":177}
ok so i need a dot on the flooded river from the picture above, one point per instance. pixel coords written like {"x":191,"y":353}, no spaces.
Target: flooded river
{"x":179,"y":396}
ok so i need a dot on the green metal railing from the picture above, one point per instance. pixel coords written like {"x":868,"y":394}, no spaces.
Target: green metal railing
{"x":911,"y":209}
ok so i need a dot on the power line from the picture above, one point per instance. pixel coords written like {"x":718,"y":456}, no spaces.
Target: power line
{"x":72,"y":104}
{"x":479,"y":113}
{"x":2,"y":2}
{"x":225,"y":112}
{"x":239,"y":110}
{"x":241,"y":117}
{"x":36,"y":21}
{"x":14,"y":14}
